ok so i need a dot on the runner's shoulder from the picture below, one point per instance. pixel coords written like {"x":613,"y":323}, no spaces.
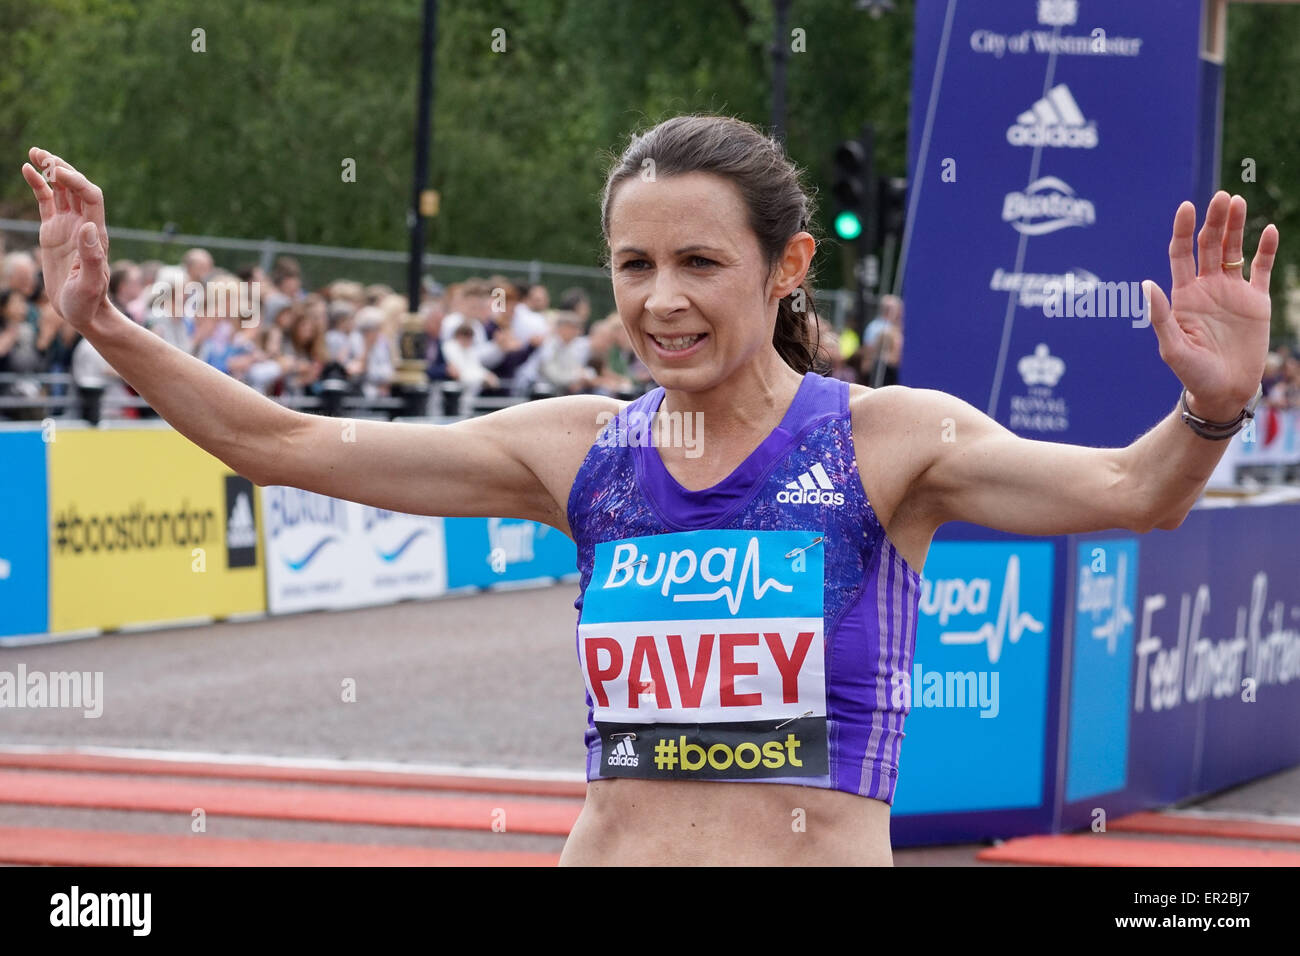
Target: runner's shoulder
{"x":568,"y":422}
{"x":895,"y":408}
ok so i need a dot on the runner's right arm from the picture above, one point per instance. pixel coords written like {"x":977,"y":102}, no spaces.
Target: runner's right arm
{"x":518,"y":462}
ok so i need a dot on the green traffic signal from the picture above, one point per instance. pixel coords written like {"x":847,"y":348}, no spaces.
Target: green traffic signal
{"x":848,"y":225}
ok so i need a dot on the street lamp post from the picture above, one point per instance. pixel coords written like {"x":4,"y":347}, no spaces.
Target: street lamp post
{"x":780,"y":53}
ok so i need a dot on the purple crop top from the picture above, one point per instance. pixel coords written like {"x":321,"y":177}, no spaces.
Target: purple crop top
{"x":760,"y":630}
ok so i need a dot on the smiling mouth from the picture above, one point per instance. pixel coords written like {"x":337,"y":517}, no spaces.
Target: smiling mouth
{"x":677,"y":343}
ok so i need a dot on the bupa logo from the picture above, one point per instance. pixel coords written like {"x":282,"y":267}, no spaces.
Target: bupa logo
{"x":812,"y":487}
{"x":948,"y":598}
{"x":513,"y":540}
{"x":1055,"y":120}
{"x":716,"y":575}
{"x":1104,"y":595}
{"x":719,"y":574}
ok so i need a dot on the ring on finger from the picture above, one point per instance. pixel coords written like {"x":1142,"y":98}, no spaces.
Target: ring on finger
{"x":1234,"y":264}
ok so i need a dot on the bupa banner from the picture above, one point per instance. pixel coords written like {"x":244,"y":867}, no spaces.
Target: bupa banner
{"x":1186,"y":665}
{"x":1051,"y":143}
{"x":324,"y":552}
{"x":979,"y":686}
{"x":24,"y":539}
{"x":509,"y":552}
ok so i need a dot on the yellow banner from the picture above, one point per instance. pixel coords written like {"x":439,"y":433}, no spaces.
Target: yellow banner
{"x":145,"y":526}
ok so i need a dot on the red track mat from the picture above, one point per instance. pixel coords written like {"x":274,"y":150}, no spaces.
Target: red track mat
{"x":49,"y":847}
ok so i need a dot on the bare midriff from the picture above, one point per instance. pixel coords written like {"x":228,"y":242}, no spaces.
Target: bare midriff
{"x":685,"y":823}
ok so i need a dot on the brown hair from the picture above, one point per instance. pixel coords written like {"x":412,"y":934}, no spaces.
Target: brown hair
{"x":769,"y":183}
{"x":314,"y":347}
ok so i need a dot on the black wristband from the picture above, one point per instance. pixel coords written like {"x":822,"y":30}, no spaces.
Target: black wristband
{"x":1218,"y":431}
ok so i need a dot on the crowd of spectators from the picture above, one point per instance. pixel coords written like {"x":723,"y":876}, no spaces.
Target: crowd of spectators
{"x":489,"y":336}
{"x":1282,"y":379}
{"x":872,"y":359}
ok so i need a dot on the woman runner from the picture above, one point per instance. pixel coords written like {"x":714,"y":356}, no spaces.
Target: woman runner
{"x":747,"y":614}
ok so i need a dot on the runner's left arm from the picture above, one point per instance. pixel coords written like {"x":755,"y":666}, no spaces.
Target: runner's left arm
{"x":1214,"y":337}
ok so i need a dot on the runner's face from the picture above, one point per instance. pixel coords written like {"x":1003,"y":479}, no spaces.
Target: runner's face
{"x":689,"y":278}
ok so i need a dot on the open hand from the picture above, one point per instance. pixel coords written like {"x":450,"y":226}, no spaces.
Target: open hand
{"x":1215,"y":335}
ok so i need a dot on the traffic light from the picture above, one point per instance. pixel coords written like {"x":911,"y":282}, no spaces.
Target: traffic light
{"x":852,"y":186}
{"x":891,"y":206}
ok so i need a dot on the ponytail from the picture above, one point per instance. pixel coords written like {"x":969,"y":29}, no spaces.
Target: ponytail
{"x":797,"y":336}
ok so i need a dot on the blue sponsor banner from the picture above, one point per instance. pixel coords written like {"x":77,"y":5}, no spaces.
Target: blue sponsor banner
{"x":1217,"y":655}
{"x":1105,"y":584}
{"x":980,"y":680}
{"x":1039,"y":202}
{"x":482,"y":552}
{"x":706,"y":574}
{"x":24,"y":536}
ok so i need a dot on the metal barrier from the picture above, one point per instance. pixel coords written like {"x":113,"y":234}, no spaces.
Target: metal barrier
{"x":323,"y":264}
{"x":438,"y":401}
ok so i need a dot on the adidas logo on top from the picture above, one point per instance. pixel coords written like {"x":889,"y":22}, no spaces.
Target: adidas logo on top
{"x":813,"y":487}
{"x":1055,"y":120}
{"x":623,"y":755}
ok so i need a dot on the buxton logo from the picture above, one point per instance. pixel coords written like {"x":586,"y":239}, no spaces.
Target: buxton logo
{"x":1046,"y":205}
{"x":318,"y":516}
{"x":1055,"y":120}
{"x":813,"y":487}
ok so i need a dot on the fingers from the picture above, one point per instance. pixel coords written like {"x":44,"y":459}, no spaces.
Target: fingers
{"x":1168,"y":333}
{"x":88,"y":197}
{"x":84,"y":198}
{"x":1182,"y":264}
{"x":49,"y":164}
{"x":1261,"y":267}
{"x":41,"y":189}
{"x":1235,"y":233}
{"x":1210,"y":243}
{"x":45,"y":161}
{"x":92,"y":253}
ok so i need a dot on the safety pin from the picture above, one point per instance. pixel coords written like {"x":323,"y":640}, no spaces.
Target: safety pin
{"x":633,"y":736}
{"x":817,"y":540}
{"x":800,"y":717}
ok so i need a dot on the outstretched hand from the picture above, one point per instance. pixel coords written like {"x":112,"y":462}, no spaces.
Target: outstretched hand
{"x":1215,"y":334}
{"x":74,"y":239}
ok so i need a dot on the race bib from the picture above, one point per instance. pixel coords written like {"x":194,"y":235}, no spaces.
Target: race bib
{"x":703,"y":655}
